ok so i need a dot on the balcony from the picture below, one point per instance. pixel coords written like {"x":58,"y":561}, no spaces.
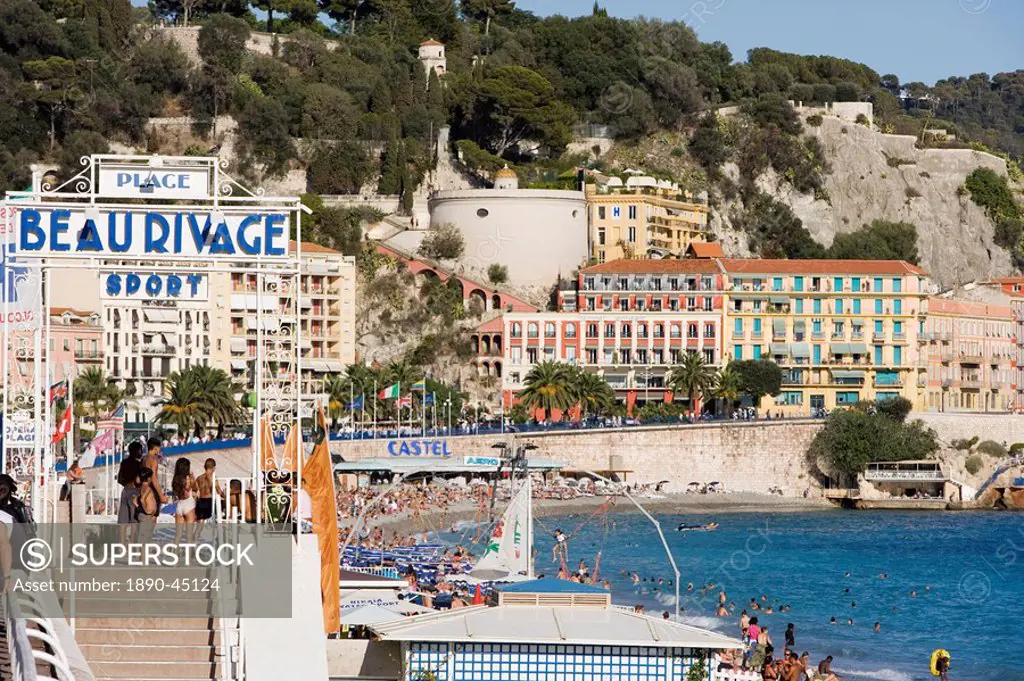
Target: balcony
{"x":972,"y":383}
{"x":878,"y":336}
{"x":946,"y":357}
{"x":922,"y":381}
{"x":947,"y":382}
{"x":88,"y":355}
{"x":899,"y":337}
{"x":888,"y":382}
{"x":971,"y":359}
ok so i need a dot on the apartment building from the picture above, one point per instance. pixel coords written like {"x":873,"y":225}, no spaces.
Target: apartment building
{"x":970,"y":348}
{"x":326,"y":302}
{"x":842,"y":330}
{"x":628,"y":321}
{"x":641,"y":218}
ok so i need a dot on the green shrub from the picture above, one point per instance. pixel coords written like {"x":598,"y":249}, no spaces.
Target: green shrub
{"x":973,"y":464}
{"x":1016,"y":448}
{"x":815,"y":120}
{"x":862,"y":120}
{"x":990,"y":190}
{"x":964,"y":445}
{"x":992,"y":448}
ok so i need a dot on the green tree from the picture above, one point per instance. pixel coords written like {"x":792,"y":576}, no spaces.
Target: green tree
{"x":198,"y":397}
{"x":514,"y":104}
{"x":54,"y":89}
{"x":709,"y":144}
{"x":775,"y":112}
{"x":339,"y":168}
{"x":758,"y":378}
{"x":774,"y":230}
{"x":692,"y":376}
{"x":92,"y":393}
{"x":728,"y":386}
{"x":881,"y":240}
{"x":328,"y":113}
{"x":78,"y":144}
{"x":222,"y":42}
{"x":497,"y":273}
{"x":443,"y":242}
{"x":263,"y":135}
{"x":853,"y":438}
{"x":591,"y":392}
{"x":548,"y":387}
{"x":486,"y":10}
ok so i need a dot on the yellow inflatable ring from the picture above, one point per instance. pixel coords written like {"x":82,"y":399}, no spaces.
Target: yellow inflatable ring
{"x":935,"y":659}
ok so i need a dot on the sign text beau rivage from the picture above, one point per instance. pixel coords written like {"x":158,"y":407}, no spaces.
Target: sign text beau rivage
{"x":162,"y":232}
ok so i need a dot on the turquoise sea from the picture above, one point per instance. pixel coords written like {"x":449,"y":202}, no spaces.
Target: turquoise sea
{"x":967,"y":570}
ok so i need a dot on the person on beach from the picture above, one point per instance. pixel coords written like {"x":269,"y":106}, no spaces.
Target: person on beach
{"x":183,"y":486}
{"x":761,"y":644}
{"x":561,"y":548}
{"x":205,"y":485}
{"x":744,"y":622}
{"x":128,"y":478}
{"x":790,"y":635}
{"x":722,"y":612}
{"x":148,"y":504}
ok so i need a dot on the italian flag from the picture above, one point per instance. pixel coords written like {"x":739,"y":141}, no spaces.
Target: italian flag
{"x":389,"y":393}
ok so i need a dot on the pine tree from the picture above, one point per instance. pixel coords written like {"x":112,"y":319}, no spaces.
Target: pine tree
{"x":391,"y":172}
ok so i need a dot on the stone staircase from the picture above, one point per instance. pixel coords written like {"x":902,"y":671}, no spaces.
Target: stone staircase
{"x":161,"y":649}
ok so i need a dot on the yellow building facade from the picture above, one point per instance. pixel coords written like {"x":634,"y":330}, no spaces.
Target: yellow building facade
{"x":842,"y":330}
{"x":640,"y":219}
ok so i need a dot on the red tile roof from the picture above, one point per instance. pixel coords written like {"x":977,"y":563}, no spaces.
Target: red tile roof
{"x":638,"y":266}
{"x":967,"y":308}
{"x":492,"y":326}
{"x":759,"y":266}
{"x":708,"y":249}
{"x":431,"y":41}
{"x":310,"y":247}
{"x":58,"y":311}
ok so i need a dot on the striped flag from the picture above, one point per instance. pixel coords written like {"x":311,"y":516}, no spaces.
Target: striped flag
{"x":420,"y":385}
{"x":389,"y":393}
{"x":59,"y":390}
{"x":63,"y":426}
{"x":113,"y":421}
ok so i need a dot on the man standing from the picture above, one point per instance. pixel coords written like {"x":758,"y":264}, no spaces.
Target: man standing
{"x":152,"y":460}
{"x":205,"y":484}
{"x":128,"y":478}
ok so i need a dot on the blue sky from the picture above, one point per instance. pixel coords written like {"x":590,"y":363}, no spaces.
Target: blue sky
{"x":916,"y":39}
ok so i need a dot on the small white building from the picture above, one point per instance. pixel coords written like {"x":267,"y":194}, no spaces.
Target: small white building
{"x":550,"y":629}
{"x":432,"y":57}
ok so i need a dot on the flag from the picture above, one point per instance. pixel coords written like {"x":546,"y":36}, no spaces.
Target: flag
{"x":405,"y":402}
{"x":59,"y":390}
{"x":318,"y":481}
{"x":63,"y":426}
{"x":357,"y":403}
{"x":101,"y":443}
{"x":478,"y":598}
{"x":113,"y":421}
{"x":420,"y":385}
{"x":428,"y":400}
{"x":389,"y":393}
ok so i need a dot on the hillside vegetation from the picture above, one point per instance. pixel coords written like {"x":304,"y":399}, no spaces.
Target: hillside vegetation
{"x":81,"y":75}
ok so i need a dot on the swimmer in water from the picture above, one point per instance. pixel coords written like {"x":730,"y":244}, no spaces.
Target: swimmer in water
{"x":883,"y":576}
{"x":635,"y":578}
{"x":878,"y":627}
{"x":833,"y":621}
{"x":853,"y":604}
{"x":913,"y":594}
{"x":689,"y":586}
{"x":722,"y":612}
{"x":847,"y":574}
{"x":850,"y":621}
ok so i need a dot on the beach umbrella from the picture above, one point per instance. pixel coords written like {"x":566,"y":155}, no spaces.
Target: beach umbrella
{"x":369,"y":615}
{"x":478,"y":598}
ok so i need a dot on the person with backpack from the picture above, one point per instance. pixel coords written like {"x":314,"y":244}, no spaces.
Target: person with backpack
{"x":12,"y":510}
{"x":128,"y":478}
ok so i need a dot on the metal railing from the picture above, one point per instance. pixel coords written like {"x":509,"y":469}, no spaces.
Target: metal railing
{"x":26,"y":624}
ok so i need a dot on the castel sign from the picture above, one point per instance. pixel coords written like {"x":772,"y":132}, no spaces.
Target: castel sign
{"x":131,"y":181}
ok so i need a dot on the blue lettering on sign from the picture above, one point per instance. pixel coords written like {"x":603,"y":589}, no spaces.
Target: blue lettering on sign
{"x":154,"y":180}
{"x":152,"y":233}
{"x":165,"y":286}
{"x":419,"y":448}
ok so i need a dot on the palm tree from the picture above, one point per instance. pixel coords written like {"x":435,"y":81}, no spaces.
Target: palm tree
{"x":592,"y":392}
{"x":727,"y":385}
{"x":336,"y":388}
{"x":548,"y":387}
{"x":198,"y":396}
{"x":92,"y":392}
{"x":693,"y":376}
{"x":182,"y":404}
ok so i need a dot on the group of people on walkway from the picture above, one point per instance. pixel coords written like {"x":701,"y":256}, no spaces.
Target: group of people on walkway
{"x":143,"y":497}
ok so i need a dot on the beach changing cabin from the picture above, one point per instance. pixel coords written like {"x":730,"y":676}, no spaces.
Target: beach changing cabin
{"x":549,"y":630}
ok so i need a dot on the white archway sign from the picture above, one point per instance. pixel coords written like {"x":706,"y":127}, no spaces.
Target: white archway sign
{"x":157,"y":228}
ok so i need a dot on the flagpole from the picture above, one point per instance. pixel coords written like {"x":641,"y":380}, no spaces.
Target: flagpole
{"x":423,"y":411}
{"x":374,"y":434}
{"x":398,"y":408}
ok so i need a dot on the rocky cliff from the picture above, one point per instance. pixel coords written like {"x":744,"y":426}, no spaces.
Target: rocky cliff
{"x":875,"y":176}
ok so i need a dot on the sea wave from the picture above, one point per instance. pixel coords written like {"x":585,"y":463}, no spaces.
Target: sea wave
{"x":707,"y":622}
{"x":883,"y":674}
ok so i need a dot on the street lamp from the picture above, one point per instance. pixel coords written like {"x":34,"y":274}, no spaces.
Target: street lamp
{"x":448,"y":409}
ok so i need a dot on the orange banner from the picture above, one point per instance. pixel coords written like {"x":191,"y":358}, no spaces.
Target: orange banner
{"x":318,"y":482}
{"x":268,"y":459}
